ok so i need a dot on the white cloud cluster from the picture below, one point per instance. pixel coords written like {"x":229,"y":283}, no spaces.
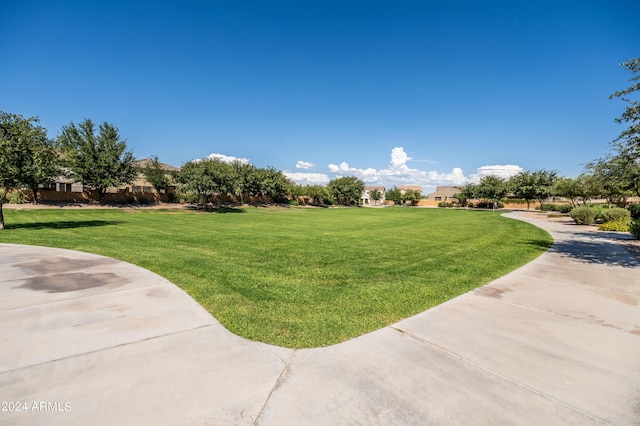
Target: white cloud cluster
{"x":304,"y":165}
{"x":504,"y":171}
{"x":399,"y":173}
{"x":308,"y":178}
{"x":228,"y":158}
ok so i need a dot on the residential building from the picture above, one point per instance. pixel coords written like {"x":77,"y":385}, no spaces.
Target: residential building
{"x":366,"y":199}
{"x":444,"y":193}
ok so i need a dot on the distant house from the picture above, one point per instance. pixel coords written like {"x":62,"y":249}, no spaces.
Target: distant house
{"x":140,"y":184}
{"x":366,"y":199}
{"x":403,"y":189}
{"x":444,"y":193}
{"x":65,"y":189}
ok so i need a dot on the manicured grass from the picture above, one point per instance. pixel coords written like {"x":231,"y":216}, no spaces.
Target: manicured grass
{"x":299,"y":277}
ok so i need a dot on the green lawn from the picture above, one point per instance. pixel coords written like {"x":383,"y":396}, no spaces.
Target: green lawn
{"x":299,"y":277}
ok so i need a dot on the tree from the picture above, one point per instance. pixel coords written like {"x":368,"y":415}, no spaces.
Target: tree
{"x":157,"y":175}
{"x":491,"y":189}
{"x":99,"y":160}
{"x":523,"y":185}
{"x":27,"y":157}
{"x":629,"y":139}
{"x":626,"y":159}
{"x":376,"y":195}
{"x":467,"y":192}
{"x":208,"y":177}
{"x":412,"y":196}
{"x":319,"y":193}
{"x":533,"y":185}
{"x":568,"y":188}
{"x":346,"y":190}
{"x":394,"y":195}
{"x":273,"y":183}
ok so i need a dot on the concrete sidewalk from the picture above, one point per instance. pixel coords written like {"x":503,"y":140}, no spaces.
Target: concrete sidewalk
{"x":89,"y":340}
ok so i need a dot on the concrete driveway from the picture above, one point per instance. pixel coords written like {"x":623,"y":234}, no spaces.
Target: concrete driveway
{"x":89,"y":340}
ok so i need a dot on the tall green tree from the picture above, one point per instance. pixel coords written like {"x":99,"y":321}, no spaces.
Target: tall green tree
{"x":97,"y":159}
{"x":157,"y":175}
{"x":346,"y":190}
{"x":27,"y":157}
{"x":394,"y":195}
{"x":629,"y":139}
{"x":626,"y":156}
{"x":491,"y":189}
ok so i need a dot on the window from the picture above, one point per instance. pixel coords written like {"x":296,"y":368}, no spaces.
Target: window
{"x":64,"y":187}
{"x":438,"y":198}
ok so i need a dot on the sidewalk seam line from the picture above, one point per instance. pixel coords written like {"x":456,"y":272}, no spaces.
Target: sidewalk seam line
{"x":494,"y":373}
{"x":108,"y":348}
{"x":275,"y":386}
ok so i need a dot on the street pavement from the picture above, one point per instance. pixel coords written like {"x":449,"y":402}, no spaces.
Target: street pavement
{"x":86,"y":339}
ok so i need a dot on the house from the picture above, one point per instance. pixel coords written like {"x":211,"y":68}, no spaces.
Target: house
{"x":403,"y":189}
{"x":65,"y":189}
{"x":444,"y":193}
{"x":367,"y":200}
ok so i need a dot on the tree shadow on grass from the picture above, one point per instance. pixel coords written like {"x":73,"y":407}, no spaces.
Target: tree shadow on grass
{"x":545,"y":244}
{"x":216,"y":209}
{"x":63,"y":224}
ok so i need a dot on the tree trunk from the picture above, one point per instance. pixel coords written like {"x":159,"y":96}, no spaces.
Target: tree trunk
{"x":34,"y":190}
{"x":1,"y":217}
{"x":528,"y":204}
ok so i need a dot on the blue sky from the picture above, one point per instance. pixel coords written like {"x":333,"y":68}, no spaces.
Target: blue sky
{"x":395,"y":92}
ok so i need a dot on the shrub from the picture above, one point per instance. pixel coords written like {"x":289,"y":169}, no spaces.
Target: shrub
{"x":293,"y":202}
{"x":547,"y":207}
{"x":634,"y":209}
{"x":15,"y":198}
{"x":621,"y":225}
{"x":583,"y":215}
{"x":565,"y":208}
{"x":143,"y":200}
{"x":615,"y":215}
{"x":172,"y":197}
{"x":445,"y":204}
{"x":635,"y":229}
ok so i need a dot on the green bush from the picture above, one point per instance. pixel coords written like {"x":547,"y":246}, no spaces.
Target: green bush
{"x":293,"y":202}
{"x":615,"y":215}
{"x":635,"y":229}
{"x":621,"y":225}
{"x":583,"y":215}
{"x":15,"y":198}
{"x":445,"y":204}
{"x":189,"y":198}
{"x":634,"y":209}
{"x":548,"y":207}
{"x":172,"y":197}
{"x":143,"y":200}
{"x":565,"y":208}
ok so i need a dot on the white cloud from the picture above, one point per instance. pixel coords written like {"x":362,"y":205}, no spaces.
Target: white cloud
{"x":307,"y":178}
{"x":399,"y":173}
{"x":501,"y":171}
{"x":399,"y":158}
{"x":304,"y":165}
{"x":228,"y":158}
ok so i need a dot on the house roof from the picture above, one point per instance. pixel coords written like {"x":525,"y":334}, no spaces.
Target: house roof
{"x":145,"y":162}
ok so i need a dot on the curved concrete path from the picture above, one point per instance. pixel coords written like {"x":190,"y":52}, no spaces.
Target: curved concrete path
{"x":89,"y":340}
